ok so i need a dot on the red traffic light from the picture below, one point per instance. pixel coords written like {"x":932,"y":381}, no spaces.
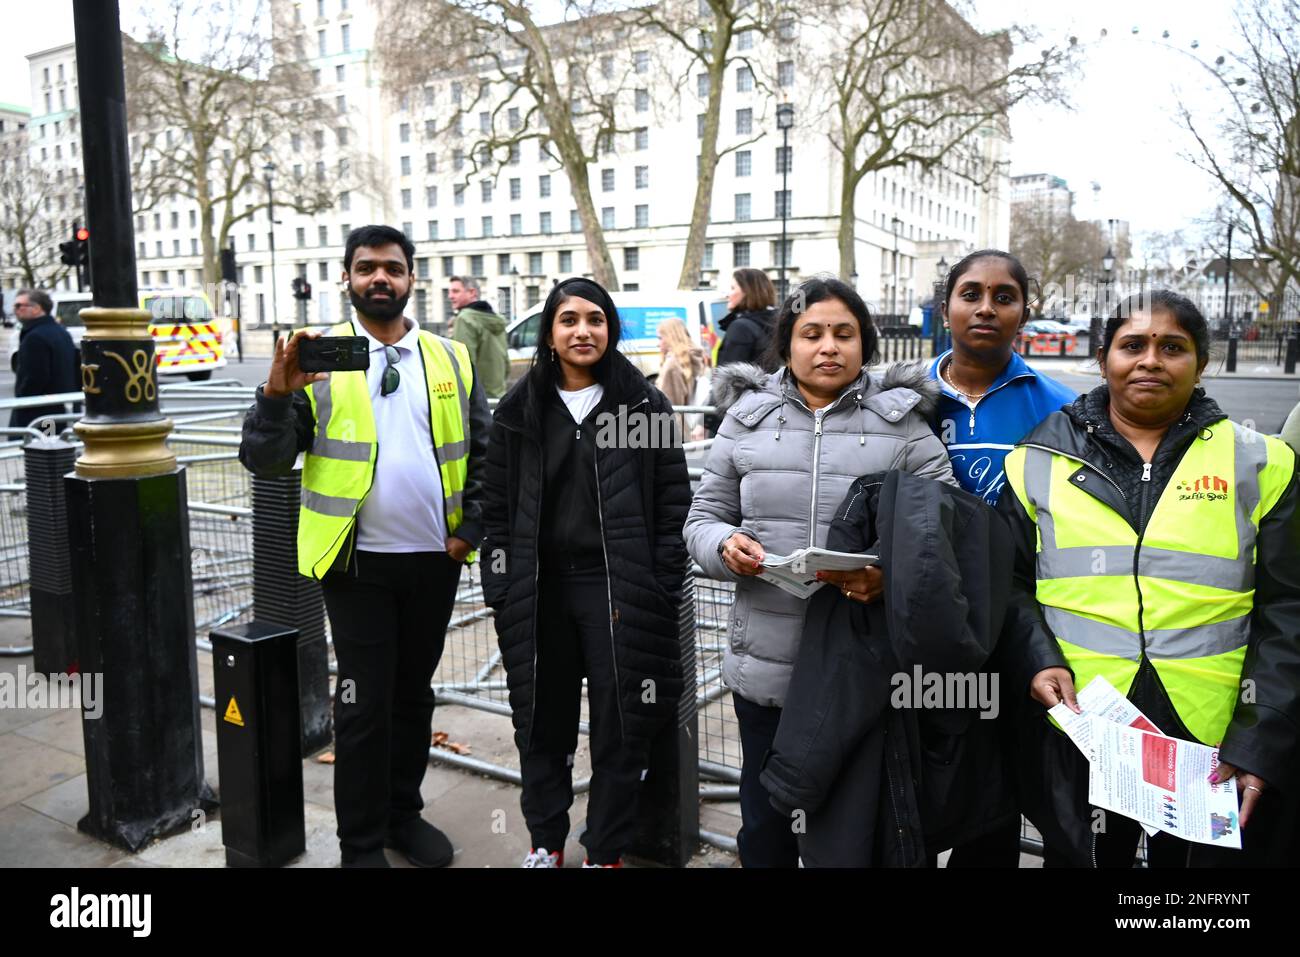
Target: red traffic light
{"x":83,"y":234}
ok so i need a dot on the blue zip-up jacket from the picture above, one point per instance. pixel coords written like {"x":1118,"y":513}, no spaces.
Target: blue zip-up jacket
{"x":978,"y":439}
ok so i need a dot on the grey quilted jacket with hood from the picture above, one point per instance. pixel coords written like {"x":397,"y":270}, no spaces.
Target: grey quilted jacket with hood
{"x":774,"y":475}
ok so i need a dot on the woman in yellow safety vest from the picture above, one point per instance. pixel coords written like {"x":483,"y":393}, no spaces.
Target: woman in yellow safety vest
{"x":1158,"y":547}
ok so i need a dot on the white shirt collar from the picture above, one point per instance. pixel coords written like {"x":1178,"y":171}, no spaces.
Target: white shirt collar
{"x":409,"y":342}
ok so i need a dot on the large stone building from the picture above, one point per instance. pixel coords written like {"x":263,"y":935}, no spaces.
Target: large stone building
{"x":515,"y":227}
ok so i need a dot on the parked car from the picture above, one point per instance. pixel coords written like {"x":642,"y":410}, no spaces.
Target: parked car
{"x":1047,"y":327}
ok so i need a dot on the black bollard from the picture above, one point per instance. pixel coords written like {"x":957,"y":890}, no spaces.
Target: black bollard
{"x":282,"y":596}
{"x":54,"y":638}
{"x":1231,"y":364}
{"x":1292,"y":350}
{"x":255,"y":681}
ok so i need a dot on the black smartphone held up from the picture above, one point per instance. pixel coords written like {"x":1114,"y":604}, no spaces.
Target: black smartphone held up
{"x":334,"y":354}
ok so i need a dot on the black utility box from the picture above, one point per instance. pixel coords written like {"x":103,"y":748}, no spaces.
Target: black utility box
{"x":259,"y":756}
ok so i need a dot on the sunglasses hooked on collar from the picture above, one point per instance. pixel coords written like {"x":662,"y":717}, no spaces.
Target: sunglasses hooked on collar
{"x":392,"y":378}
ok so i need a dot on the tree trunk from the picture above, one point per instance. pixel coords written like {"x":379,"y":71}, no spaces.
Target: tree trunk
{"x":693,"y":258}
{"x":847,"y":229}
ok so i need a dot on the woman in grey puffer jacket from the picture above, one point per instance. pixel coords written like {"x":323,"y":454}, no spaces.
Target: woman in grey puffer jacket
{"x":790,"y":445}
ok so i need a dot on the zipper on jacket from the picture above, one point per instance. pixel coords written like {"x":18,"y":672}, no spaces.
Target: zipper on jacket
{"x":609,"y":595}
{"x":975,"y":405}
{"x":816,"y":456}
{"x":1083,"y":462}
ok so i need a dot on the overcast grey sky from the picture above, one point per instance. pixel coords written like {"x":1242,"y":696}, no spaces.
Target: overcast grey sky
{"x":1123,"y":133}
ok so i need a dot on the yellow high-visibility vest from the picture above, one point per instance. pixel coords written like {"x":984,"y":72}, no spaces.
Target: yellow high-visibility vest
{"x":339,"y":468}
{"x":1182,"y":592}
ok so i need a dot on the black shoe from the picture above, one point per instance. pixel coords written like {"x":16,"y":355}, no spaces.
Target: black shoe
{"x":422,"y":843}
{"x":373,"y":858}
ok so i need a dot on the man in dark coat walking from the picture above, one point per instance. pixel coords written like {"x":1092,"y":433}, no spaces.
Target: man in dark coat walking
{"x":47,"y":357}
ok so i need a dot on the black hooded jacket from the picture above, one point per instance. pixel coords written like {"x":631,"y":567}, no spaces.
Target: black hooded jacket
{"x":748,"y":332}
{"x":882,"y":782}
{"x":1263,"y":737}
{"x":643,"y":494}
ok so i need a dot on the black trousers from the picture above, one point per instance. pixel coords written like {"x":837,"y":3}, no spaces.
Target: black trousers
{"x":389,"y":623}
{"x":766,"y":838}
{"x":573,"y":640}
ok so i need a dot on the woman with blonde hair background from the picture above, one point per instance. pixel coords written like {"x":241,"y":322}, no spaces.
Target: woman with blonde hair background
{"x":684,"y":366}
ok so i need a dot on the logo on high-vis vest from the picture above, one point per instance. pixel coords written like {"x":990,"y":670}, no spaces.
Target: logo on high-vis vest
{"x":1207,"y":488}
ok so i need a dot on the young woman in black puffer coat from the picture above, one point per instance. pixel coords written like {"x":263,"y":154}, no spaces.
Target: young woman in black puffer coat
{"x":583,"y":561}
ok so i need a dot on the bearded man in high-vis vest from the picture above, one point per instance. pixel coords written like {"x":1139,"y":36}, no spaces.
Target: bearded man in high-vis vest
{"x":1158,"y":547}
{"x":391,"y":500}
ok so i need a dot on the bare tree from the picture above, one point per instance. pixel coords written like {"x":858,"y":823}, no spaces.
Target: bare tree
{"x":912,"y":84}
{"x":558,"y":85}
{"x":31,"y":228}
{"x":707,"y":32}
{"x":1056,"y":249}
{"x":203,"y":127}
{"x":1257,"y":160}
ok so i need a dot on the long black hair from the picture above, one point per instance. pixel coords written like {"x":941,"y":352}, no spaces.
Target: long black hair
{"x":1014,"y":266}
{"x":612,"y":370}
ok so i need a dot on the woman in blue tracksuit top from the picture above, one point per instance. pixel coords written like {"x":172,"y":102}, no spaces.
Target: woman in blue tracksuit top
{"x":990,"y":400}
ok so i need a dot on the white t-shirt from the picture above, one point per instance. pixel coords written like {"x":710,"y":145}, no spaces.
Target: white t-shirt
{"x":581,"y":401}
{"x":404,"y":510}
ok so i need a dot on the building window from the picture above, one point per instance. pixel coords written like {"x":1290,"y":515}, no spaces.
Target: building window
{"x":458,"y":160}
{"x":544,"y":186}
{"x":641,"y":100}
{"x":433,"y":229}
{"x":476,"y":266}
{"x":642,"y":177}
{"x":323,"y":272}
{"x":513,"y":118}
{"x":641,"y":139}
{"x":631,"y":258}
{"x":322,"y":236}
{"x":744,"y":122}
{"x":339,"y":74}
{"x":782,"y":204}
{"x":431,"y":196}
{"x":744,"y":163}
{"x":607,"y":217}
{"x":175,"y":219}
{"x":448,"y":266}
{"x":516,"y":189}
{"x":708,"y":256}
{"x":607,"y":180}
{"x":778,"y":248}
{"x":421,"y":306}
{"x":514,"y":154}
{"x":785,"y":159}
{"x":785,"y":73}
{"x":744,"y":80}
{"x":487,"y":227}
{"x":302,"y":236}
{"x":485,"y":122}
{"x":516,"y":224}
{"x":485,"y":190}
{"x":544,"y":223}
{"x":742,"y":207}
{"x":641,"y":61}
{"x":404,"y":133}
{"x":408,"y":230}
{"x":699,"y":125}
{"x":347,"y":38}
{"x":341,"y":104}
{"x":702,"y":84}
{"x":566,"y":260}
{"x":642,"y":216}
{"x":740,"y":254}
{"x":406,"y":199}
{"x":575,"y":221}
{"x":458,"y":194}
{"x":345,"y":201}
{"x":459,"y":228}
{"x":430,"y":163}
{"x":405,"y":165}
{"x":320,"y":42}
{"x":745,"y":40}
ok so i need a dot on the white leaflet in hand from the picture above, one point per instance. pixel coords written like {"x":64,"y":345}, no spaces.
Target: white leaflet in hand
{"x":1163,"y":782}
{"x":796,"y":573}
{"x":1102,"y":700}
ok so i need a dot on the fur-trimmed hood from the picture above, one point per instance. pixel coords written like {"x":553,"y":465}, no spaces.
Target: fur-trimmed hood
{"x":901,"y":383}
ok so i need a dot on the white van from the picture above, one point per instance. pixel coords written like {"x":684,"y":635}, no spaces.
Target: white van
{"x":639,"y":316}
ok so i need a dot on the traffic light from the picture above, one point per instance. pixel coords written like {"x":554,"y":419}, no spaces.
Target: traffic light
{"x":83,"y":245}
{"x":301,"y":288}
{"x":68,"y":252}
{"x":228,"y":267}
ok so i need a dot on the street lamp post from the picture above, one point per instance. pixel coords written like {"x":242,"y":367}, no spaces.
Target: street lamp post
{"x":893,"y":290}
{"x":514,"y":295}
{"x":784,"y":120}
{"x":1107,"y":265}
{"x":269,"y":170}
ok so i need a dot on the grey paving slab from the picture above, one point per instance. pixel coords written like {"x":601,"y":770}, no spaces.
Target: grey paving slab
{"x":28,"y":767}
{"x":60,"y":729}
{"x":30,"y":839}
{"x":66,"y":802}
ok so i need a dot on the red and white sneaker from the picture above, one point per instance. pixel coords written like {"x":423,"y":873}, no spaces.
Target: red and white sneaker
{"x":586,"y":864}
{"x":541,"y":857}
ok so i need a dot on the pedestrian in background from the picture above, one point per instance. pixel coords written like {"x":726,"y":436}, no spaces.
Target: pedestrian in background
{"x":747,"y":328}
{"x":790,"y":445}
{"x":385,"y":534}
{"x":47,"y":357}
{"x":584,"y":566}
{"x":1197,"y":620}
{"x":991,"y":399}
{"x":683,"y":374}
{"x":484,"y":334}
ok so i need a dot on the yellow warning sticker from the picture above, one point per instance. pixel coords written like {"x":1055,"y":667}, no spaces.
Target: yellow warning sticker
{"x":232,"y":713}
